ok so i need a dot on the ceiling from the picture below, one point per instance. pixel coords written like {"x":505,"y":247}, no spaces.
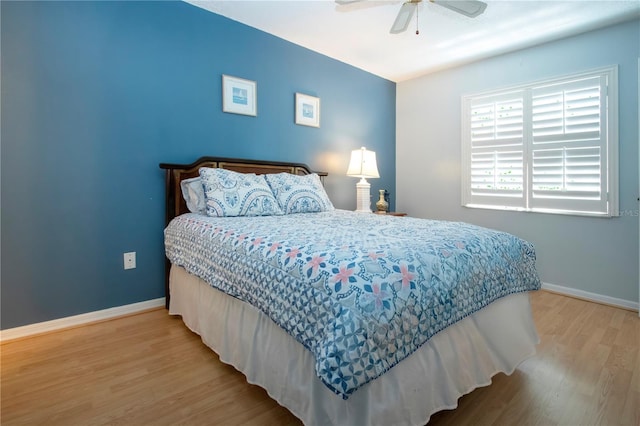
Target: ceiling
{"x":358,"y":33}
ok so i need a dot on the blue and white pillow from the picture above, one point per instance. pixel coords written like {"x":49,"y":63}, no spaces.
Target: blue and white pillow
{"x":299,"y":194}
{"x":193,"y":194}
{"x":230,"y":193}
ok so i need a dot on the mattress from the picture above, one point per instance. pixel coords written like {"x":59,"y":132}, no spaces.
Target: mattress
{"x":359,"y":291}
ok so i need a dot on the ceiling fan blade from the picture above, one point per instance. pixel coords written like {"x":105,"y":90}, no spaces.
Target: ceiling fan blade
{"x":404,"y":17}
{"x":347,"y":1}
{"x":470,"y":8}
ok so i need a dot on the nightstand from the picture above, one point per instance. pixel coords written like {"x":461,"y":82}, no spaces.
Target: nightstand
{"x":391,"y":214}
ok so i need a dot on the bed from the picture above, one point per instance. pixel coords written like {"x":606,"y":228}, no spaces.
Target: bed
{"x":344,"y":318}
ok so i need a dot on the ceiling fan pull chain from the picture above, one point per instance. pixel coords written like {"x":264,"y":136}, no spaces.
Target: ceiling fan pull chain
{"x":417,"y":13}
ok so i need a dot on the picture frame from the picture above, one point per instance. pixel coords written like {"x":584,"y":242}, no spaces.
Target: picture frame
{"x":239,"y":96}
{"x":307,"y":110}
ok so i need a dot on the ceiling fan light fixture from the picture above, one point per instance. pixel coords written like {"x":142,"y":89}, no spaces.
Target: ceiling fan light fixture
{"x":468,"y":8}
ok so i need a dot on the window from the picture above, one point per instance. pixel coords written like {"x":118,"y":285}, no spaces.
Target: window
{"x":551,"y":146}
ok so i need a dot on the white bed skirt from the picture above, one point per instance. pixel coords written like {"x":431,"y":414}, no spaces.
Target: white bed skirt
{"x":451,"y":364}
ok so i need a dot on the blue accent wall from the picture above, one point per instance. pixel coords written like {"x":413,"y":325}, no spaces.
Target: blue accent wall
{"x":96,"y":94}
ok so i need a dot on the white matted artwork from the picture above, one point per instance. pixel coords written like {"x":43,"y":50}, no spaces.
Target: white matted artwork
{"x":307,"y":110}
{"x":239,"y":96}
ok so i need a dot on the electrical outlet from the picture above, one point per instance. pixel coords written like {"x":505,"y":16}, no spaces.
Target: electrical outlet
{"x":130,"y":260}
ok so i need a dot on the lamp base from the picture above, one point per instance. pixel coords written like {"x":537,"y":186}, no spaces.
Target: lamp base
{"x":363,"y":196}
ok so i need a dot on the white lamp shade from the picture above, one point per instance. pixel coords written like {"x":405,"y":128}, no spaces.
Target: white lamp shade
{"x":363,"y":164}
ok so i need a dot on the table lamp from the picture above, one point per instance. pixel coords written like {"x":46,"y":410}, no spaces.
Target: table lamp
{"x":363,"y":165}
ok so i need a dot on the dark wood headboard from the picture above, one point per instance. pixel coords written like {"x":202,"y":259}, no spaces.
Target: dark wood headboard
{"x":176,"y":173}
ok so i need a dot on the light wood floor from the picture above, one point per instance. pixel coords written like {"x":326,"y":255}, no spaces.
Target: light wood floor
{"x":149,"y":369}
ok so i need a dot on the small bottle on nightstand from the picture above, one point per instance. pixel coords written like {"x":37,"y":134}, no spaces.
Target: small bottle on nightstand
{"x":382,"y":205}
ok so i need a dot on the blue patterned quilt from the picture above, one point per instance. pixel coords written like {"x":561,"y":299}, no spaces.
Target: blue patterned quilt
{"x":360,"y":291}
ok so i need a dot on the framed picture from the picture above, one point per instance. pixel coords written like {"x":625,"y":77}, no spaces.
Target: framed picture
{"x":307,"y":110}
{"x":239,"y":96}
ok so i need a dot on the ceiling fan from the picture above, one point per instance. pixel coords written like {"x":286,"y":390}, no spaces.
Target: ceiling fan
{"x":469,"y":8}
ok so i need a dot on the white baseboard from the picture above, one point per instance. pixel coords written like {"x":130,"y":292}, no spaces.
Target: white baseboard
{"x":593,"y":297}
{"x":77,"y":320}
{"x":83,"y":319}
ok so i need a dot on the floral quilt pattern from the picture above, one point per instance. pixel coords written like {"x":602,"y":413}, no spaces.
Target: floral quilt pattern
{"x":360,"y":291}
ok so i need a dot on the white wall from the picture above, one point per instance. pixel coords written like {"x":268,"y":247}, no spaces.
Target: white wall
{"x":595,"y":255}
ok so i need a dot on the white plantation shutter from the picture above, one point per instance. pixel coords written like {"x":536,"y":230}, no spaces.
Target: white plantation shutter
{"x":496,"y":149}
{"x":569,"y":145}
{"x":549,"y":146}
